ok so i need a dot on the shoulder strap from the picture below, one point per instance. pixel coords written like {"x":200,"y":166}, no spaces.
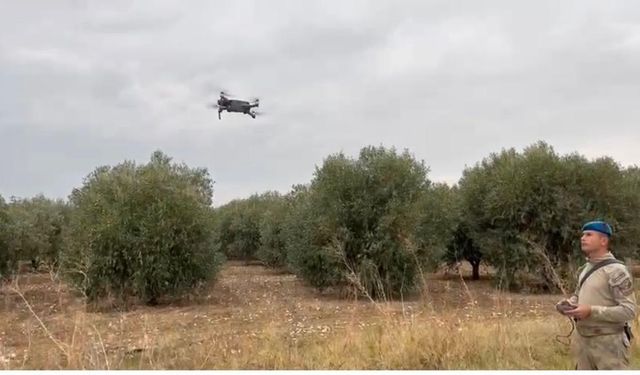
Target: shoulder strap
{"x":596,"y":267}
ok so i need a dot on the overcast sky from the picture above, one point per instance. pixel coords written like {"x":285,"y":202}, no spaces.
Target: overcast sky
{"x":84,"y":84}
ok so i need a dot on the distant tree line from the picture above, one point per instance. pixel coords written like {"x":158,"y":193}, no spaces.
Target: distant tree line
{"x":374,"y":223}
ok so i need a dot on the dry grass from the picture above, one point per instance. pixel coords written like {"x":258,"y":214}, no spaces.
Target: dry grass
{"x":254,"y":318}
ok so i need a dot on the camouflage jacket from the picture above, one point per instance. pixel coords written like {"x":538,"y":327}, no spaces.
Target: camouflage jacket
{"x":609,"y":291}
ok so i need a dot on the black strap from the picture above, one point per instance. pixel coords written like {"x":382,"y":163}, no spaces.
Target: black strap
{"x":605,"y":262}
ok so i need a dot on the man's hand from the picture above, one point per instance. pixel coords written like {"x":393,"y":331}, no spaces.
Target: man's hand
{"x":581,"y":312}
{"x":564,"y":306}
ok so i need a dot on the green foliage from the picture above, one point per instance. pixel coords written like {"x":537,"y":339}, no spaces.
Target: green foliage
{"x":149,"y":231}
{"x":272,"y":251}
{"x":238,"y":226}
{"x":252,"y":228}
{"x":305,"y":238}
{"x":36,"y":229}
{"x":516,"y":204}
{"x":8,"y":259}
{"x":626,"y":240}
{"x":356,"y":222}
{"x":439,"y":214}
{"x":141,"y":230}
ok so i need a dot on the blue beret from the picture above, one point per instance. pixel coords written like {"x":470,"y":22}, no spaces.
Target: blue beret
{"x":598,"y":226}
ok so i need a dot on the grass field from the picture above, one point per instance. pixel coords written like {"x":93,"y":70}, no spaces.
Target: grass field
{"x":256,"y":318}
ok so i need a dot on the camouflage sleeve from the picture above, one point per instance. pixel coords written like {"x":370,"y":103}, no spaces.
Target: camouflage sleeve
{"x":621,"y":287}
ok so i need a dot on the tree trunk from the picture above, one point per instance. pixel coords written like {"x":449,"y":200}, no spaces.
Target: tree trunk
{"x":476,"y":270}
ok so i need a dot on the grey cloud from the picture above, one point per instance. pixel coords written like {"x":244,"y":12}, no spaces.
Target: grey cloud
{"x":88,"y":84}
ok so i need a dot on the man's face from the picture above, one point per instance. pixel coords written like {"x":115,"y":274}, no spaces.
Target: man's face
{"x":592,"y":241}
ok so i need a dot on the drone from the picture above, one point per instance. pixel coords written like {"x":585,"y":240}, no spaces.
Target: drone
{"x":235,"y":105}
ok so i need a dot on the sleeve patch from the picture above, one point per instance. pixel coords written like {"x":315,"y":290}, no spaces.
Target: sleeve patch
{"x":623,"y":288}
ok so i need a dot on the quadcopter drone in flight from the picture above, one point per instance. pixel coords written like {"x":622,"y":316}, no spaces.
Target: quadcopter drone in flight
{"x":235,"y":105}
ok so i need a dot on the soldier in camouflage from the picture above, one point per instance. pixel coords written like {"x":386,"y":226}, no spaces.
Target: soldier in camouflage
{"x":602,"y":307}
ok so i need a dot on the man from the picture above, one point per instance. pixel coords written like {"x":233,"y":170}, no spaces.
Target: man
{"x":602,"y":306}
